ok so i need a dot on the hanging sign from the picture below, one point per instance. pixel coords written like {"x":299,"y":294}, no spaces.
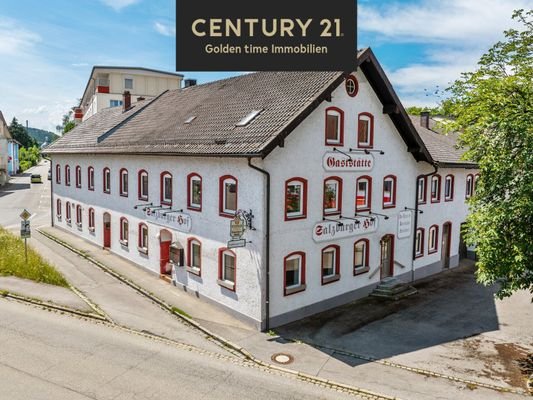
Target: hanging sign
{"x":237,"y":227}
{"x":176,"y":220}
{"x":343,"y":228}
{"x":404,"y":224}
{"x":338,"y":162}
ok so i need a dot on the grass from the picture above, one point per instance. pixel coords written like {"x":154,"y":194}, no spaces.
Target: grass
{"x":181,"y":312}
{"x":13,"y":263}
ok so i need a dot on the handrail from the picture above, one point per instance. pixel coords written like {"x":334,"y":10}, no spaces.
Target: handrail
{"x":400,"y":264}
{"x":374,"y":272}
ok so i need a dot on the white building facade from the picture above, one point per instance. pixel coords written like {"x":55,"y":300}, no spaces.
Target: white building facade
{"x":345,"y":194}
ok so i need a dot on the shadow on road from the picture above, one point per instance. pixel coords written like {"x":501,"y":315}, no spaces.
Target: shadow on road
{"x":13,"y":187}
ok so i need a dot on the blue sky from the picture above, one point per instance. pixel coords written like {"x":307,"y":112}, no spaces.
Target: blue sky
{"x":47,"y":48}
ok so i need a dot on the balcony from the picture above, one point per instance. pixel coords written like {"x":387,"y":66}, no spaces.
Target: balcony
{"x":102,"y":85}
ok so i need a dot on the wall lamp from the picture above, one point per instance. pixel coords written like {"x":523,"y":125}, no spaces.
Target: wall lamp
{"x":366,"y":151}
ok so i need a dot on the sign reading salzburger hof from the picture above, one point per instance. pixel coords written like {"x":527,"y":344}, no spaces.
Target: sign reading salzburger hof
{"x":175,"y":220}
{"x":343,"y":228}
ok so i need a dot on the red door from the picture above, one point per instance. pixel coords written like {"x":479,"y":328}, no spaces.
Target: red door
{"x":165,"y":256}
{"x":107,"y":230}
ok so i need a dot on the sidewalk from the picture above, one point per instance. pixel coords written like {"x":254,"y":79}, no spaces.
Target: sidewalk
{"x":377,"y":377}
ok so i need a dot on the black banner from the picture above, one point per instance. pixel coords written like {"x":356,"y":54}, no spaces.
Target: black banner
{"x":271,"y":35}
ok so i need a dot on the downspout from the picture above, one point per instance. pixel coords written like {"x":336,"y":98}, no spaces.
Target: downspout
{"x":267,"y":243}
{"x":436,"y":166}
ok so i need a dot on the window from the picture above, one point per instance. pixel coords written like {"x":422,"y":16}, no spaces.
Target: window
{"x":363,"y":196}
{"x":107,"y":180}
{"x":115,"y":103}
{"x":68,"y":211}
{"x":123,"y":185}
{"x":58,"y":209}
{"x":334,"y":126}
{"x":448,"y":188}
{"x":435,"y":188}
{"x":128,"y":83}
{"x":90,"y":178}
{"x":143,"y":238}
{"x":194,"y":256}
{"x":124,"y":232}
{"x":194,"y":192}
{"x":352,"y":86}
{"x":294,"y":273}
{"x":91,"y":219}
{"x":330,"y":264}
{"x":295,"y":198}
{"x":421,"y":189}
{"x":332,"y":196}
{"x":58,"y":173}
{"x":469,"y":186}
{"x":419,"y":244}
{"x":228,"y":196}
{"x":78,"y":215}
{"x":389,"y":191}
{"x":67,"y":175}
{"x":78,"y":176}
{"x":476,"y":179}
{"x":143,"y":185}
{"x":166,"y":188}
{"x":249,"y":118}
{"x":227,"y":261}
{"x":360,"y":257}
{"x":433,"y":239}
{"x":365,"y":130}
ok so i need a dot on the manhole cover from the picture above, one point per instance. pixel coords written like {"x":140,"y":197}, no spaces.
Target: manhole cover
{"x":282,"y":358}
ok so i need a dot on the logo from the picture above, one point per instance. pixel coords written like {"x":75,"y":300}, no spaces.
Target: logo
{"x":276,"y":35}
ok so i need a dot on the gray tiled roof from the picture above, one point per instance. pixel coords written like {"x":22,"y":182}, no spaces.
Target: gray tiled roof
{"x":443,"y":147}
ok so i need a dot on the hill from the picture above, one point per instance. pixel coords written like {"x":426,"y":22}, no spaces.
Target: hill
{"x":41,"y":135}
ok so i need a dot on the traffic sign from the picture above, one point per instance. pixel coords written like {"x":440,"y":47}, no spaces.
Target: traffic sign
{"x":25,"y":230}
{"x":25,"y":215}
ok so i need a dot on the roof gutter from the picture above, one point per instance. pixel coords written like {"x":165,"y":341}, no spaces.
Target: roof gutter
{"x":266,"y":324}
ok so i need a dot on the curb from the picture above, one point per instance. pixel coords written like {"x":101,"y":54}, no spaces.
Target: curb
{"x":218,"y":338}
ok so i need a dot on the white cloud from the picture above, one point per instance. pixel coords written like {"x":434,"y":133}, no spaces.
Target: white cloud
{"x":165,"y":30}
{"x":15,"y":39}
{"x":119,"y":4}
{"x":80,"y":65}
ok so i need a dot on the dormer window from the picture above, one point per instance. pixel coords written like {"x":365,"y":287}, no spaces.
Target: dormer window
{"x":190,"y":119}
{"x":249,"y":118}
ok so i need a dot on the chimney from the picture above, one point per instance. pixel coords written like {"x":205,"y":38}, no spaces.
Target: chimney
{"x":189,"y":82}
{"x":424,"y":119}
{"x":126,"y":101}
{"x":78,"y":115}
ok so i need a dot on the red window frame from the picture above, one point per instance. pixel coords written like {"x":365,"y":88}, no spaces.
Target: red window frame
{"x":338,"y":211}
{"x":79,"y":215}
{"x":68,"y":212}
{"x":422,"y":241}
{"x":67,"y":175}
{"x":366,"y":266}
{"x":356,"y":83}
{"x":221,"y":279}
{"x":58,"y":174}
{"x":340,"y":143}
{"x":424,"y":194}
{"x":190,"y":205}
{"x":106,"y":179}
{"x":337,"y":271}
{"x":91,"y":219}
{"x":302,"y":286}
{"x":141,"y":248}
{"x":162,"y":188}
{"x":122,"y":192}
{"x":303,"y":215}
{"x":139,"y":185}
{"x":452,"y":188}
{"x":368,"y":178}
{"x":124,"y":241}
{"x":193,"y":270}
{"x":469,"y":185}
{"x":90,"y":178}
{"x":59,"y":209}
{"x":433,"y":250}
{"x":370,"y":144}
{"x":78,"y":176}
{"x":221,"y":196}
{"x":439,"y":180}
{"x":394,"y":186}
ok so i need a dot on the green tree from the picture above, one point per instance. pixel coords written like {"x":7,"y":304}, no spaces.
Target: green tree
{"x":19,"y":133}
{"x":493,"y":108}
{"x":29,"y":157}
{"x":67,"y":124}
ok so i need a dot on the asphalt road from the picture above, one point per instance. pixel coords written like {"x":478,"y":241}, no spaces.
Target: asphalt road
{"x":51,"y":356}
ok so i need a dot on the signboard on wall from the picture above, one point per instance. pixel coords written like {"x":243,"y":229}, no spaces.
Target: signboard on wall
{"x":343,"y":228}
{"x":404,"y":224}
{"x":175,"y":220}
{"x":338,"y":162}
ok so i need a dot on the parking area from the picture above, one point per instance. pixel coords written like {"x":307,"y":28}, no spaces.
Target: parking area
{"x":453,"y":326}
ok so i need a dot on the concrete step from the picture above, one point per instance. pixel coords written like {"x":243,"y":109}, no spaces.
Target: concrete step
{"x":393,"y":289}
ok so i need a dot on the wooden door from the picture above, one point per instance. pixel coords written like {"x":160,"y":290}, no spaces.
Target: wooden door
{"x":387,"y":256}
{"x":445,"y":245}
{"x":107,"y":230}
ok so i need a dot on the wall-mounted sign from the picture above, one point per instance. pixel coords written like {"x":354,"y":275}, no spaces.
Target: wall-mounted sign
{"x":343,"y":228}
{"x":237,"y":227}
{"x":333,"y":161}
{"x":233,"y":244}
{"x":404,"y":224}
{"x":176,"y":220}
